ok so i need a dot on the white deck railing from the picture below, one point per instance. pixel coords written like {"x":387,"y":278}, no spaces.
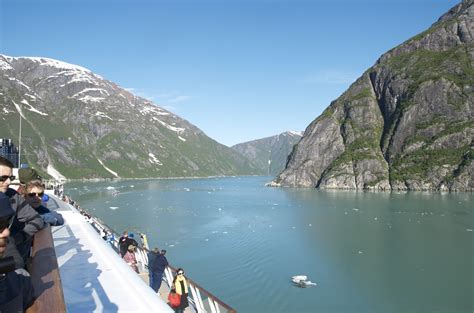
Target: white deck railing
{"x":198,"y":295}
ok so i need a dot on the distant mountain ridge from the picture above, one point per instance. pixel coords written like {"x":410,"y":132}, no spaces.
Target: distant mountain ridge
{"x":406,"y":124}
{"x":270,"y":154}
{"x":76,"y":124}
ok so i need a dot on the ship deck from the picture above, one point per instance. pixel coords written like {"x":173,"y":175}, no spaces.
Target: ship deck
{"x":93,"y":276}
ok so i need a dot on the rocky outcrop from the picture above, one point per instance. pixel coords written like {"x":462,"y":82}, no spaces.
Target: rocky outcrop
{"x":269,"y":155}
{"x":406,"y":123}
{"x":83,"y":126}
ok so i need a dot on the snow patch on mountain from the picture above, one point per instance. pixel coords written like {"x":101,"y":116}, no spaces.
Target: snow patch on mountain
{"x":108,"y":169}
{"x":32,"y":109}
{"x":54,"y":173}
{"x":102,"y":114}
{"x":153,"y":159}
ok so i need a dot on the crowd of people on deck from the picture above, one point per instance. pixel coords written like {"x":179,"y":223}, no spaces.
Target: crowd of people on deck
{"x":24,"y":212}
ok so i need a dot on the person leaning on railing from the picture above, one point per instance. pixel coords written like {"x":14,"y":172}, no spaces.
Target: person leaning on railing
{"x":33,"y":194}
{"x":26,"y":222}
{"x":16,"y":291}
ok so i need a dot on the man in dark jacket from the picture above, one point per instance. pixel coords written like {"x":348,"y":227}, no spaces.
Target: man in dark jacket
{"x":16,"y":291}
{"x":26,"y":222}
{"x":157,"y":269}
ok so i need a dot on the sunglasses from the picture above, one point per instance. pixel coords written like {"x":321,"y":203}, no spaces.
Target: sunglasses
{"x":6,"y":177}
{"x":34,"y":194}
{"x":181,"y":273}
{"x":6,"y":223}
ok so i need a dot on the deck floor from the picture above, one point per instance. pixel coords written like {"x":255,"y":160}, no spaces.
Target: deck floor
{"x":93,"y":276}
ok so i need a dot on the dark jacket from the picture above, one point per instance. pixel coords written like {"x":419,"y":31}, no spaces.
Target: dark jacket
{"x":16,"y":291}
{"x":159,"y":264}
{"x":52,"y":218}
{"x":26,"y":223}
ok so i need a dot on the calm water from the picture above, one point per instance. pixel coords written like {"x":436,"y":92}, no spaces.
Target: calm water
{"x":368,"y":252}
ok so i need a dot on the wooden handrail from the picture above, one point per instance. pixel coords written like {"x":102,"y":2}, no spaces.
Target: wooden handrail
{"x":45,"y":275}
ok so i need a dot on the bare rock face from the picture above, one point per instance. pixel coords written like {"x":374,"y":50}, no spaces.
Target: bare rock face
{"x":407,"y":123}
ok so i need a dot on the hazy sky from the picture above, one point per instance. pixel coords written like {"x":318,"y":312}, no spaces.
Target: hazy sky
{"x":238,"y":70}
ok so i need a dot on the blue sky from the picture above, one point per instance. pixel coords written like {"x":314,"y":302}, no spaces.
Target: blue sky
{"x":238,"y":70}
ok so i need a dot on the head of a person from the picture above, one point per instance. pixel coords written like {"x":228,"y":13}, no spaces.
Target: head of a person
{"x":33,"y":193}
{"x":6,"y":177}
{"x":125,"y":234}
{"x":180,"y":272}
{"x":163,"y":252}
{"x":6,"y":218}
{"x":26,"y":175}
{"x":131,"y":248}
{"x":130,"y":235}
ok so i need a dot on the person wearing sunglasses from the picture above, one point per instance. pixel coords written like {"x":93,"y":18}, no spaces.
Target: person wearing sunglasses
{"x":180,"y":285}
{"x":26,"y":222}
{"x":16,"y":290}
{"x":34,"y":193}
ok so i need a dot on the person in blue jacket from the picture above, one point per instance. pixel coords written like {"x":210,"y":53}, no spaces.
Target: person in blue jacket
{"x":157,"y":269}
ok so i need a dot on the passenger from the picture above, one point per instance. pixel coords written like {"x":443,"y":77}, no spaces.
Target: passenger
{"x":34,"y":192}
{"x":130,"y":258}
{"x":181,"y":286}
{"x":123,"y":244}
{"x":26,"y":222}
{"x":16,"y":291}
{"x":151,"y":259}
{"x":158,"y":267}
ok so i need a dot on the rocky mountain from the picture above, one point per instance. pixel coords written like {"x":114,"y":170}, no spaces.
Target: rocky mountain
{"x":77,"y":124}
{"x":406,"y":123}
{"x":269,"y":154}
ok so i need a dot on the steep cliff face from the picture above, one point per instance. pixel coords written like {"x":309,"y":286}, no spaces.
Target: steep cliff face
{"x":78,"y":125}
{"x":269,"y":155}
{"x":406,"y":123}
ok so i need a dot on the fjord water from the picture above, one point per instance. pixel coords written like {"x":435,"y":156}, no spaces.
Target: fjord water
{"x":368,"y":252}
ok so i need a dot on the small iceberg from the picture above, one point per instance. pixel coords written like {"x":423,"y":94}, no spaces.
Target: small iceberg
{"x":113,"y":207}
{"x":302,"y":281}
{"x":110,"y":188}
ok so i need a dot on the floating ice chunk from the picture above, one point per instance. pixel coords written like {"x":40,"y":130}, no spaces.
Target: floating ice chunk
{"x":375,"y":218}
{"x":302,"y":281}
{"x":354,"y":209}
{"x":110,"y":188}
{"x":310,"y":225}
{"x":224,"y":232}
{"x":468,"y":229}
{"x":114,"y":207}
{"x":360,"y":252}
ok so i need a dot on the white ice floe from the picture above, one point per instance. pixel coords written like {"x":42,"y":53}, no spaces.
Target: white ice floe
{"x":114,"y":207}
{"x":468,"y":229}
{"x":110,"y":188}
{"x":302,"y":281}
